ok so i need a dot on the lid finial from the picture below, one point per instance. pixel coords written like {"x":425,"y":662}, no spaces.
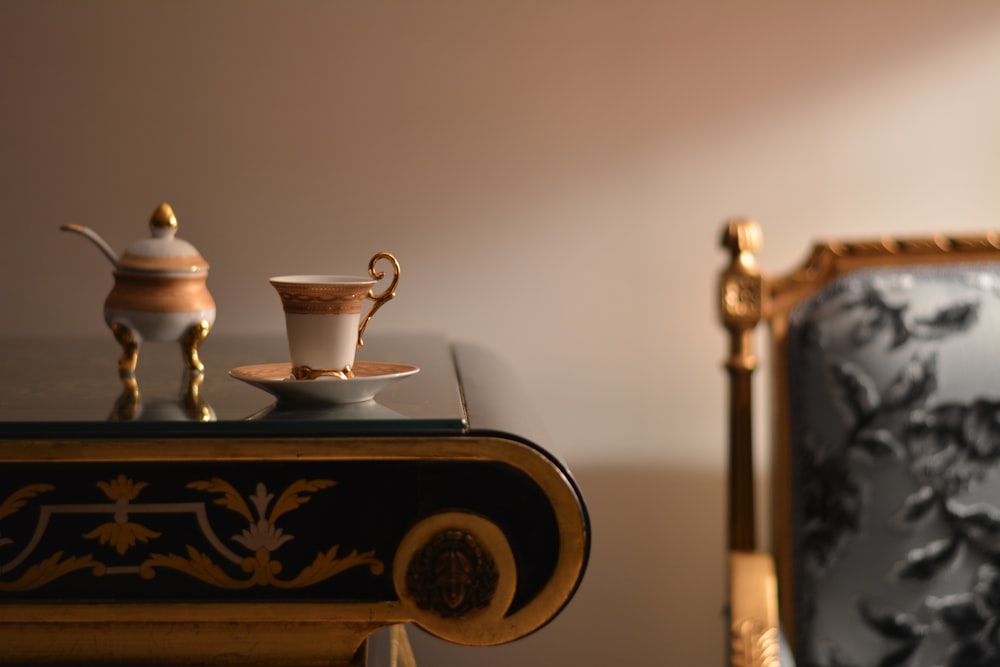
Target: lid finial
{"x":163,"y":219}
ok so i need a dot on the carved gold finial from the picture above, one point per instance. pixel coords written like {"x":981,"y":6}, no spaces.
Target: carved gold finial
{"x":742,"y":237}
{"x":741,"y":304}
{"x":741,"y":282}
{"x":163,"y":217}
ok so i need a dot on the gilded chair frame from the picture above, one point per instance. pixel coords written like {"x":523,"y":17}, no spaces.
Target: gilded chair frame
{"x":748,"y":297}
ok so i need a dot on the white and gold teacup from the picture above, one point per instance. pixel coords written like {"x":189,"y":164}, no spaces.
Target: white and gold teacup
{"x":323,"y":317}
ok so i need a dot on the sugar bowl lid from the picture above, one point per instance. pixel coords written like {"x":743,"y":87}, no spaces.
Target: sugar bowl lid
{"x":163,"y":252}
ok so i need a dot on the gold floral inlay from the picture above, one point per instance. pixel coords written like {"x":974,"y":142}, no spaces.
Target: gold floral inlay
{"x":49,"y":568}
{"x":261,"y":537}
{"x":121,"y":533}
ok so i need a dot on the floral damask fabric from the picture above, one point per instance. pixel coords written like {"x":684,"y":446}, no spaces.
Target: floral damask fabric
{"x":894,"y":380}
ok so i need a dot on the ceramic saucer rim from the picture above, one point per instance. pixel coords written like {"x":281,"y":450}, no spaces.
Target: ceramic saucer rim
{"x":275,"y":378}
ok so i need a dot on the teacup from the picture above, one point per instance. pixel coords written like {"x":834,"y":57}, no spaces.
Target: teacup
{"x":323,"y":317}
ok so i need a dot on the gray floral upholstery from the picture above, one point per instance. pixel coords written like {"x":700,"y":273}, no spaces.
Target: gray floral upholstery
{"x":894,"y":380}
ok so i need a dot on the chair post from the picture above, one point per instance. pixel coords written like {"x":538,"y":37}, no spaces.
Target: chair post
{"x":741,"y":288}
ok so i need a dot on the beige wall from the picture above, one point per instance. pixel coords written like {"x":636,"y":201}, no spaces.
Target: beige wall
{"x":552,"y":177}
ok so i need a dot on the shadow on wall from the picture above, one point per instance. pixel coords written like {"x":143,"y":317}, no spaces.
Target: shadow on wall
{"x":443,"y":126}
{"x":653,"y":591}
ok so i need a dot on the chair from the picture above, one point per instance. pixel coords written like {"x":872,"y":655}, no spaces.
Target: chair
{"x":884,"y":384}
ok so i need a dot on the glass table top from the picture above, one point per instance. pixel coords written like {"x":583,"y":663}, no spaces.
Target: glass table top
{"x":70,"y":386}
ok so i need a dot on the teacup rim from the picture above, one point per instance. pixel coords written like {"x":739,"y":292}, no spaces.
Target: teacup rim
{"x":321,"y":279}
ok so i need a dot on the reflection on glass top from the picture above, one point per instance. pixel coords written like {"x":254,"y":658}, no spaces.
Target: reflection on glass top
{"x":70,"y":386}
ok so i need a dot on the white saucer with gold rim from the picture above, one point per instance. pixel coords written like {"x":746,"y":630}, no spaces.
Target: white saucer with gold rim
{"x":370,"y":377}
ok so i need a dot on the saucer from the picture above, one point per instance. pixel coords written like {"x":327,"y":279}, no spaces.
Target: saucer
{"x":370,"y":377}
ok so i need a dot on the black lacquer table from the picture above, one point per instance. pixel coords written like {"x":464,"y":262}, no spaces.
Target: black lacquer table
{"x":193,"y":519}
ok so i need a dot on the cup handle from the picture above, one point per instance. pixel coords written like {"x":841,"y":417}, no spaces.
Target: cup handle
{"x":379,"y":298}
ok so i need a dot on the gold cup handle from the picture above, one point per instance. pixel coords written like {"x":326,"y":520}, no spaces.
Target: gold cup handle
{"x":379,"y":298}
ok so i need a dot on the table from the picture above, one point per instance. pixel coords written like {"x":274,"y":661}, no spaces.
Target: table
{"x":190,"y":519}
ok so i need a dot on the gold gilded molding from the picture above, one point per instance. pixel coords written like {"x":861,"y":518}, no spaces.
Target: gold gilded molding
{"x":753,"y":603}
{"x":400,"y":652}
{"x":753,"y":644}
{"x":289,"y":633}
{"x":833,"y":258}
